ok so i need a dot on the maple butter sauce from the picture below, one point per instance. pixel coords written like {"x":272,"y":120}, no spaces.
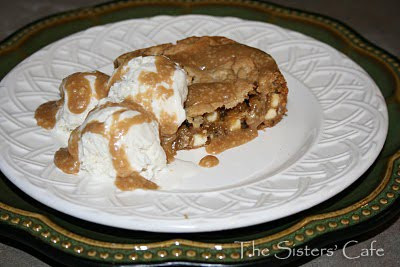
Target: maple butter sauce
{"x":45,"y":114}
{"x":95,"y":127}
{"x":127,"y":178}
{"x":209,"y":161}
{"x":153,"y":80}
{"x":235,"y":139}
{"x":67,"y":159}
{"x":79,"y":93}
{"x":66,"y":162}
{"x":100,"y":85}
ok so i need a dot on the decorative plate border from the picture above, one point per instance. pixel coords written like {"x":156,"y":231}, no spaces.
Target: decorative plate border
{"x":307,"y":229}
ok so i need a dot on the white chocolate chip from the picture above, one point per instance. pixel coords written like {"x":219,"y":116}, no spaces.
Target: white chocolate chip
{"x":199,"y":140}
{"x":275,"y":100}
{"x":236,"y":125}
{"x":197,"y":121}
{"x":190,"y":119}
{"x":271,"y":113}
{"x":212,"y":116}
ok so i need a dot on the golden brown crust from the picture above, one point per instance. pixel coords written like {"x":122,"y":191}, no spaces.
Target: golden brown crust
{"x":207,"y":97}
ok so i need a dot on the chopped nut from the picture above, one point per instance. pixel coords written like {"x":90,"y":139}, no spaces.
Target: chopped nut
{"x":199,"y":140}
{"x":275,"y":100}
{"x":211,"y":117}
{"x":235,"y":125}
{"x":271,"y":113}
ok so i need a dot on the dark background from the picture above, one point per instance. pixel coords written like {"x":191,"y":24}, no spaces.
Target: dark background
{"x":376,"y":20}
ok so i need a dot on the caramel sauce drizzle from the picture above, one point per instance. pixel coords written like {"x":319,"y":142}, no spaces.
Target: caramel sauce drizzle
{"x":165,"y":71}
{"x":73,"y":146}
{"x":117,"y":132}
{"x":95,"y":127}
{"x":100,"y":85}
{"x":209,"y":161}
{"x":78,"y":92}
{"x":79,"y":96}
{"x":127,"y":178}
{"x":67,"y":159}
{"x":45,"y":114}
{"x":168,"y":144}
{"x":234,"y":139}
{"x":168,"y":126}
{"x":163,"y":92}
{"x":66,"y":162}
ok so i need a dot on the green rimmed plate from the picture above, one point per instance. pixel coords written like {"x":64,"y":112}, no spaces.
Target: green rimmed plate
{"x":220,"y":240}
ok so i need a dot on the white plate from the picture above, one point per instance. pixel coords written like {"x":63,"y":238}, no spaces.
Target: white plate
{"x":335,"y":128}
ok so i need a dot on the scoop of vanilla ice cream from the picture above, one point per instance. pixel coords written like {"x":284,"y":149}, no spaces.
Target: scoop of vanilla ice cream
{"x":155,"y":82}
{"x":141,"y":143}
{"x":80,"y":93}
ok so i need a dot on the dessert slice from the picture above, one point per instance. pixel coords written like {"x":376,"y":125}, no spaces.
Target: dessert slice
{"x":234,"y":90}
